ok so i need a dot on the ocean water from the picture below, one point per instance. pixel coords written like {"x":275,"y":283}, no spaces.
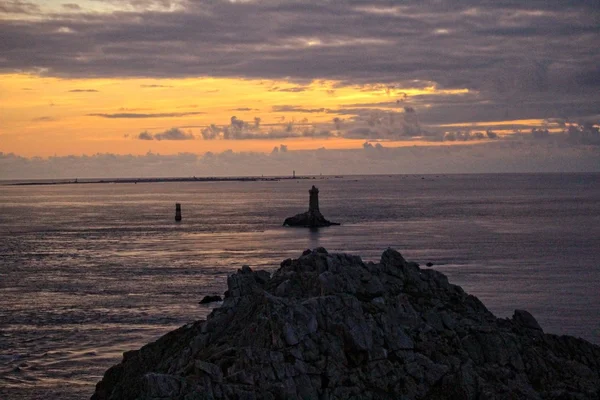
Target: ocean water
{"x":90,"y":271}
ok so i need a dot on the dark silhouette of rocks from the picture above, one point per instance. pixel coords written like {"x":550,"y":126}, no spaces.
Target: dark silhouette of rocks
{"x":313,"y":217}
{"x":328,"y":326}
{"x":210,"y":299}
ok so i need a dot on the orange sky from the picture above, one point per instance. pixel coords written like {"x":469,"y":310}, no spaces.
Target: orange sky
{"x":43,"y":116}
{"x":301,"y":74}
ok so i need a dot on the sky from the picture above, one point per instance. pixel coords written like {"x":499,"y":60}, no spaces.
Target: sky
{"x":124,"y":88}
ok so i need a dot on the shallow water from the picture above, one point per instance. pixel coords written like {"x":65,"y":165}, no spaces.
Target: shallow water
{"x":89,"y":271}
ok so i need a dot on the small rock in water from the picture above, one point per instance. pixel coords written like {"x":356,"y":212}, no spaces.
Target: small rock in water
{"x":429,"y":264}
{"x":210,"y":299}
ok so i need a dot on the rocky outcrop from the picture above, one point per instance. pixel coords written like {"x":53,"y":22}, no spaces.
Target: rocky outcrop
{"x":313,"y":217}
{"x":210,"y":299}
{"x":329,"y":326}
{"x":309,"y":219}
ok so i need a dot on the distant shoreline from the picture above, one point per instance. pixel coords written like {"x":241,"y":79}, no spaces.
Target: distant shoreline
{"x":160,"y":180}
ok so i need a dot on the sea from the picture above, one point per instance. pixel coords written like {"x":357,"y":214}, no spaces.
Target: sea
{"x":88,"y":271}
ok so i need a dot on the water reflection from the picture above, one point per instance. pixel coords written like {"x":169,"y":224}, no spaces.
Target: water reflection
{"x":79,"y":285}
{"x":314,"y":235}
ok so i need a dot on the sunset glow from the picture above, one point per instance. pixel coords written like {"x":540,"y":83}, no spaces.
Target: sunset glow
{"x":52,"y":116}
{"x":176,"y":76}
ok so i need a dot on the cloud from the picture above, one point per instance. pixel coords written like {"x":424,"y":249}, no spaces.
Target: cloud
{"x":468,"y":135}
{"x":362,"y":123}
{"x":83,"y":91}
{"x":71,"y":7}
{"x":295,"y":89}
{"x":521,"y":154}
{"x":18,"y":7}
{"x":155,"y":86}
{"x":145,"y":136}
{"x":43,"y":119}
{"x":170,"y":134}
{"x":239,"y":129}
{"x":378,"y":124}
{"x":243,"y":109}
{"x":519,"y":60}
{"x":289,"y":108}
{"x":144,"y":115}
{"x":586,"y":134}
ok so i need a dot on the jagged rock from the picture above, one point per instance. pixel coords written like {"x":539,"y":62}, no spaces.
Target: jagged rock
{"x":331,"y":326}
{"x":526,"y":320}
{"x":210,"y":299}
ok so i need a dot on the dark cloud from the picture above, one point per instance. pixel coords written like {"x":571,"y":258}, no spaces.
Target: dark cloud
{"x":43,"y":119}
{"x":380,"y":124}
{"x":586,"y":134}
{"x":534,"y":59}
{"x":369,"y":146}
{"x":83,"y":91}
{"x":288,"y":108}
{"x":71,"y":7}
{"x":466,"y":107}
{"x":243,"y":109}
{"x":173,"y":134}
{"x":144,"y":115}
{"x":295,"y":89}
{"x":145,"y":136}
{"x":170,"y":134}
{"x":469,"y":135}
{"x":155,"y":86}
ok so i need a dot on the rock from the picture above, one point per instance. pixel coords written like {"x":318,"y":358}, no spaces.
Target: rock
{"x":429,"y":264}
{"x":331,"y":326}
{"x":311,"y":218}
{"x":525,"y":319}
{"x":210,"y":299}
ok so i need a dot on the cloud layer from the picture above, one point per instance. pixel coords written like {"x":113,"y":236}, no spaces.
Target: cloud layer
{"x":508,"y":46}
{"x":546,"y":153}
{"x":534,"y":59}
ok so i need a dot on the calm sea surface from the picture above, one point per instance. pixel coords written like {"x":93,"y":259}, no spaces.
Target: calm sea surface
{"x":89,"y":271}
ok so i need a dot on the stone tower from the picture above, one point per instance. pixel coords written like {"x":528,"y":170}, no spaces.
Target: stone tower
{"x":311,"y":218}
{"x":313,"y":204}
